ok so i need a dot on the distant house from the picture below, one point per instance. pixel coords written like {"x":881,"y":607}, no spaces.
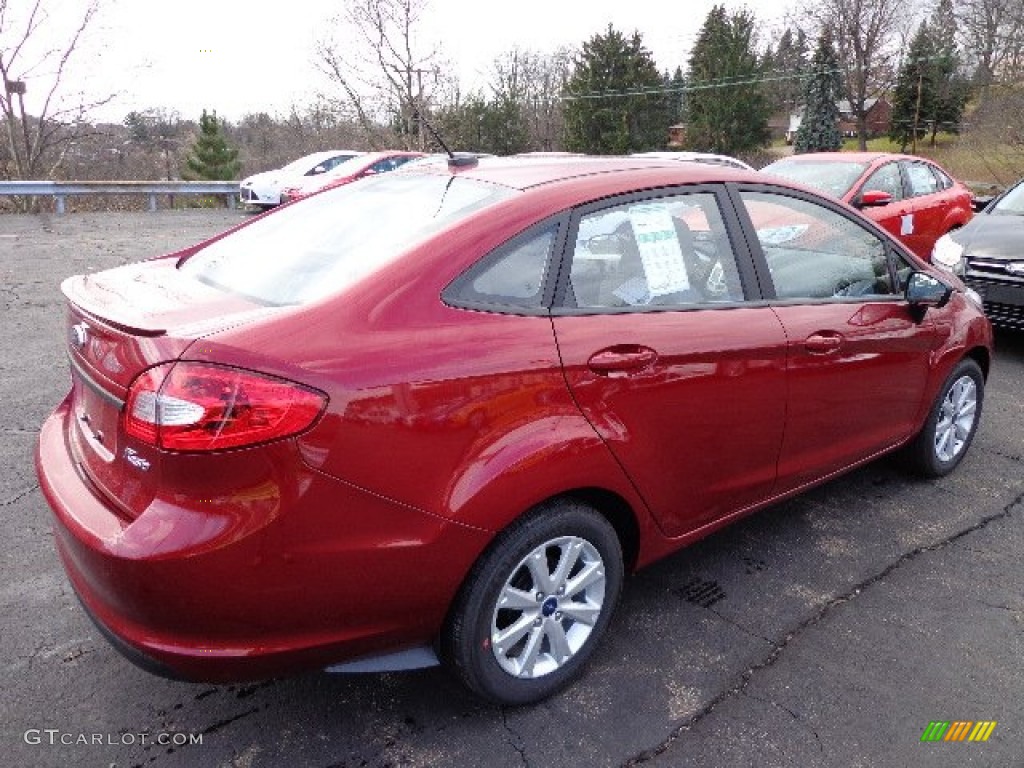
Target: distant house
{"x":677,"y":135}
{"x":879,"y":115}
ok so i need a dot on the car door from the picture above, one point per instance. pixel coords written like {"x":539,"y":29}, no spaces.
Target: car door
{"x":858,"y":355}
{"x":926,"y":206}
{"x":678,"y":371}
{"x":892,"y":217}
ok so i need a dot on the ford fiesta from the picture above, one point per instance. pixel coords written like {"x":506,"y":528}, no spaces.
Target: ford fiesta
{"x":442,"y":413}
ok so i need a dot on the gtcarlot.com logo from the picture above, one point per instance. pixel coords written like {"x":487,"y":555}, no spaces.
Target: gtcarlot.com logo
{"x":55,"y":737}
{"x":958,"y":730}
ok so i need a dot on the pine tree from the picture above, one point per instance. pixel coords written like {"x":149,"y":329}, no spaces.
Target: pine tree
{"x":727,"y":108}
{"x":951,"y":86}
{"x":914,"y":94}
{"x":785,"y":69}
{"x":617,"y":101}
{"x":819,"y":128}
{"x":210,"y":157}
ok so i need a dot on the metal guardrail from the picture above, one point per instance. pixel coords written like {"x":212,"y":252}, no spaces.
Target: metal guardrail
{"x":61,"y":190}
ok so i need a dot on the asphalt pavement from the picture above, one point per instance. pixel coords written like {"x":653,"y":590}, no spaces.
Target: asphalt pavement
{"x":831,"y":630}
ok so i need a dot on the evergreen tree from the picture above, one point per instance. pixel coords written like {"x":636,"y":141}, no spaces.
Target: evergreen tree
{"x":617,"y":101}
{"x":677,"y":96}
{"x":819,"y":128}
{"x":727,"y":108}
{"x":951,"y":86}
{"x":210,"y":157}
{"x":785,"y":69}
{"x":915,"y":92}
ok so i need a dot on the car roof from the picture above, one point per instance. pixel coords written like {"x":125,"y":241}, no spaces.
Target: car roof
{"x":698,"y":157}
{"x":525,"y":172}
{"x":851,"y":157}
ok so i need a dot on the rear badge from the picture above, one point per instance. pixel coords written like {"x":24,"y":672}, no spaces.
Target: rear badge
{"x":78,"y":334}
{"x":135,"y":460}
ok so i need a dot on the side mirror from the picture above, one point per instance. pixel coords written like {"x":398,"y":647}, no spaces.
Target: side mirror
{"x":872,"y":199}
{"x":925,"y":291}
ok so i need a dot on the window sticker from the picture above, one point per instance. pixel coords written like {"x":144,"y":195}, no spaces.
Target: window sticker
{"x":660,"y":254}
{"x":907,"y":224}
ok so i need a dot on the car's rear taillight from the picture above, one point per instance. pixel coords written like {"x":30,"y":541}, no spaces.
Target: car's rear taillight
{"x":204,"y":407}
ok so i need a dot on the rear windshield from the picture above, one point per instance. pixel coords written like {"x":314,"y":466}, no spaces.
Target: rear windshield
{"x":835,"y":179}
{"x":328,"y":242}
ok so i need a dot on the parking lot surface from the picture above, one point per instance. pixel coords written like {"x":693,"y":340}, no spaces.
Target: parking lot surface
{"x":827,"y":631}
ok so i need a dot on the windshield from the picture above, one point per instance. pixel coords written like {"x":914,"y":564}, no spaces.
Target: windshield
{"x":349,"y":166}
{"x":834,"y":178}
{"x":304,"y":163}
{"x":1012,"y":203}
{"x":330,"y":241}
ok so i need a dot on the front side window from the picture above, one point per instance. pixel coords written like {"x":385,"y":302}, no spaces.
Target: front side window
{"x":666,"y":251}
{"x":886,"y":179}
{"x":814,"y":253}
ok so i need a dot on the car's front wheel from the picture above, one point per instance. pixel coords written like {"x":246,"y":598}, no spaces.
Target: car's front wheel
{"x":951,"y":424}
{"x":535,"y":604}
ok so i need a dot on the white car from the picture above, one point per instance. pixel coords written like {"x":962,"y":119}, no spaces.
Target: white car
{"x":697,"y":157}
{"x":264,"y":189}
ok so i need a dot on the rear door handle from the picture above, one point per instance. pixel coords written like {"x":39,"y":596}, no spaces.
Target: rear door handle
{"x":622,"y":358}
{"x":823,"y":343}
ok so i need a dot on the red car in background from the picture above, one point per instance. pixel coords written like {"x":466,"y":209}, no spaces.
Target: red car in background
{"x":912,"y":198}
{"x":361,"y":166}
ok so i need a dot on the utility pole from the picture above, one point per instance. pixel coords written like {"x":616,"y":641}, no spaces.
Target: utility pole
{"x":917,"y":106}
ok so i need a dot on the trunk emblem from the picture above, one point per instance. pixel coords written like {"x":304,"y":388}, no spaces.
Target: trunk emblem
{"x":78,"y":334}
{"x":135,"y":460}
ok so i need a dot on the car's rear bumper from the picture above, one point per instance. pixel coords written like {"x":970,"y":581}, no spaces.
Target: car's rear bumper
{"x":334,"y":573}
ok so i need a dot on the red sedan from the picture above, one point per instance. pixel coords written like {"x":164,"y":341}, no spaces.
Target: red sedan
{"x":359,"y":167}
{"x":910,"y":197}
{"x":442,"y":413}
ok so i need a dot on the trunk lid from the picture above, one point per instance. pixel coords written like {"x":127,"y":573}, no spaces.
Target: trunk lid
{"x":119,"y":323}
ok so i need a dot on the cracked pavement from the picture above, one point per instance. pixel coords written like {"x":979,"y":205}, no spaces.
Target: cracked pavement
{"x":836,"y":626}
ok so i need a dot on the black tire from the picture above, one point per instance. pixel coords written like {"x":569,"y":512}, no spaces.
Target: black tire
{"x":552,"y":624}
{"x":951,"y":424}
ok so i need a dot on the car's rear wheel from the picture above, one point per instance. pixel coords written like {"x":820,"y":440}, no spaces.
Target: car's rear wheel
{"x":951,"y":423}
{"x":535,"y":604}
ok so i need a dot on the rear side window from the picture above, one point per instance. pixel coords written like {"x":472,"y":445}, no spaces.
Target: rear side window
{"x":665,"y":251}
{"x":922,"y":180}
{"x":512,"y":277}
{"x":329,"y":242}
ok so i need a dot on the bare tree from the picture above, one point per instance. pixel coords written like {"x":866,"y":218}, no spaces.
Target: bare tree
{"x":534,"y":82}
{"x":38,"y":136}
{"x":867,"y":35}
{"x":993,"y":33}
{"x":386,"y":75}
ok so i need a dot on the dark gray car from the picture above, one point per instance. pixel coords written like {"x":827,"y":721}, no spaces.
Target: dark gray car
{"x":988,"y":253}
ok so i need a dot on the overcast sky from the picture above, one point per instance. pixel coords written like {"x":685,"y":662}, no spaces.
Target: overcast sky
{"x":256,"y":55}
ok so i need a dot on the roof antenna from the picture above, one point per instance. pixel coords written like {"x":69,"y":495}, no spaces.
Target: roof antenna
{"x":461,"y":160}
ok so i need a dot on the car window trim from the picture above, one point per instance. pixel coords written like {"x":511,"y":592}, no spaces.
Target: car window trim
{"x":748,"y":278}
